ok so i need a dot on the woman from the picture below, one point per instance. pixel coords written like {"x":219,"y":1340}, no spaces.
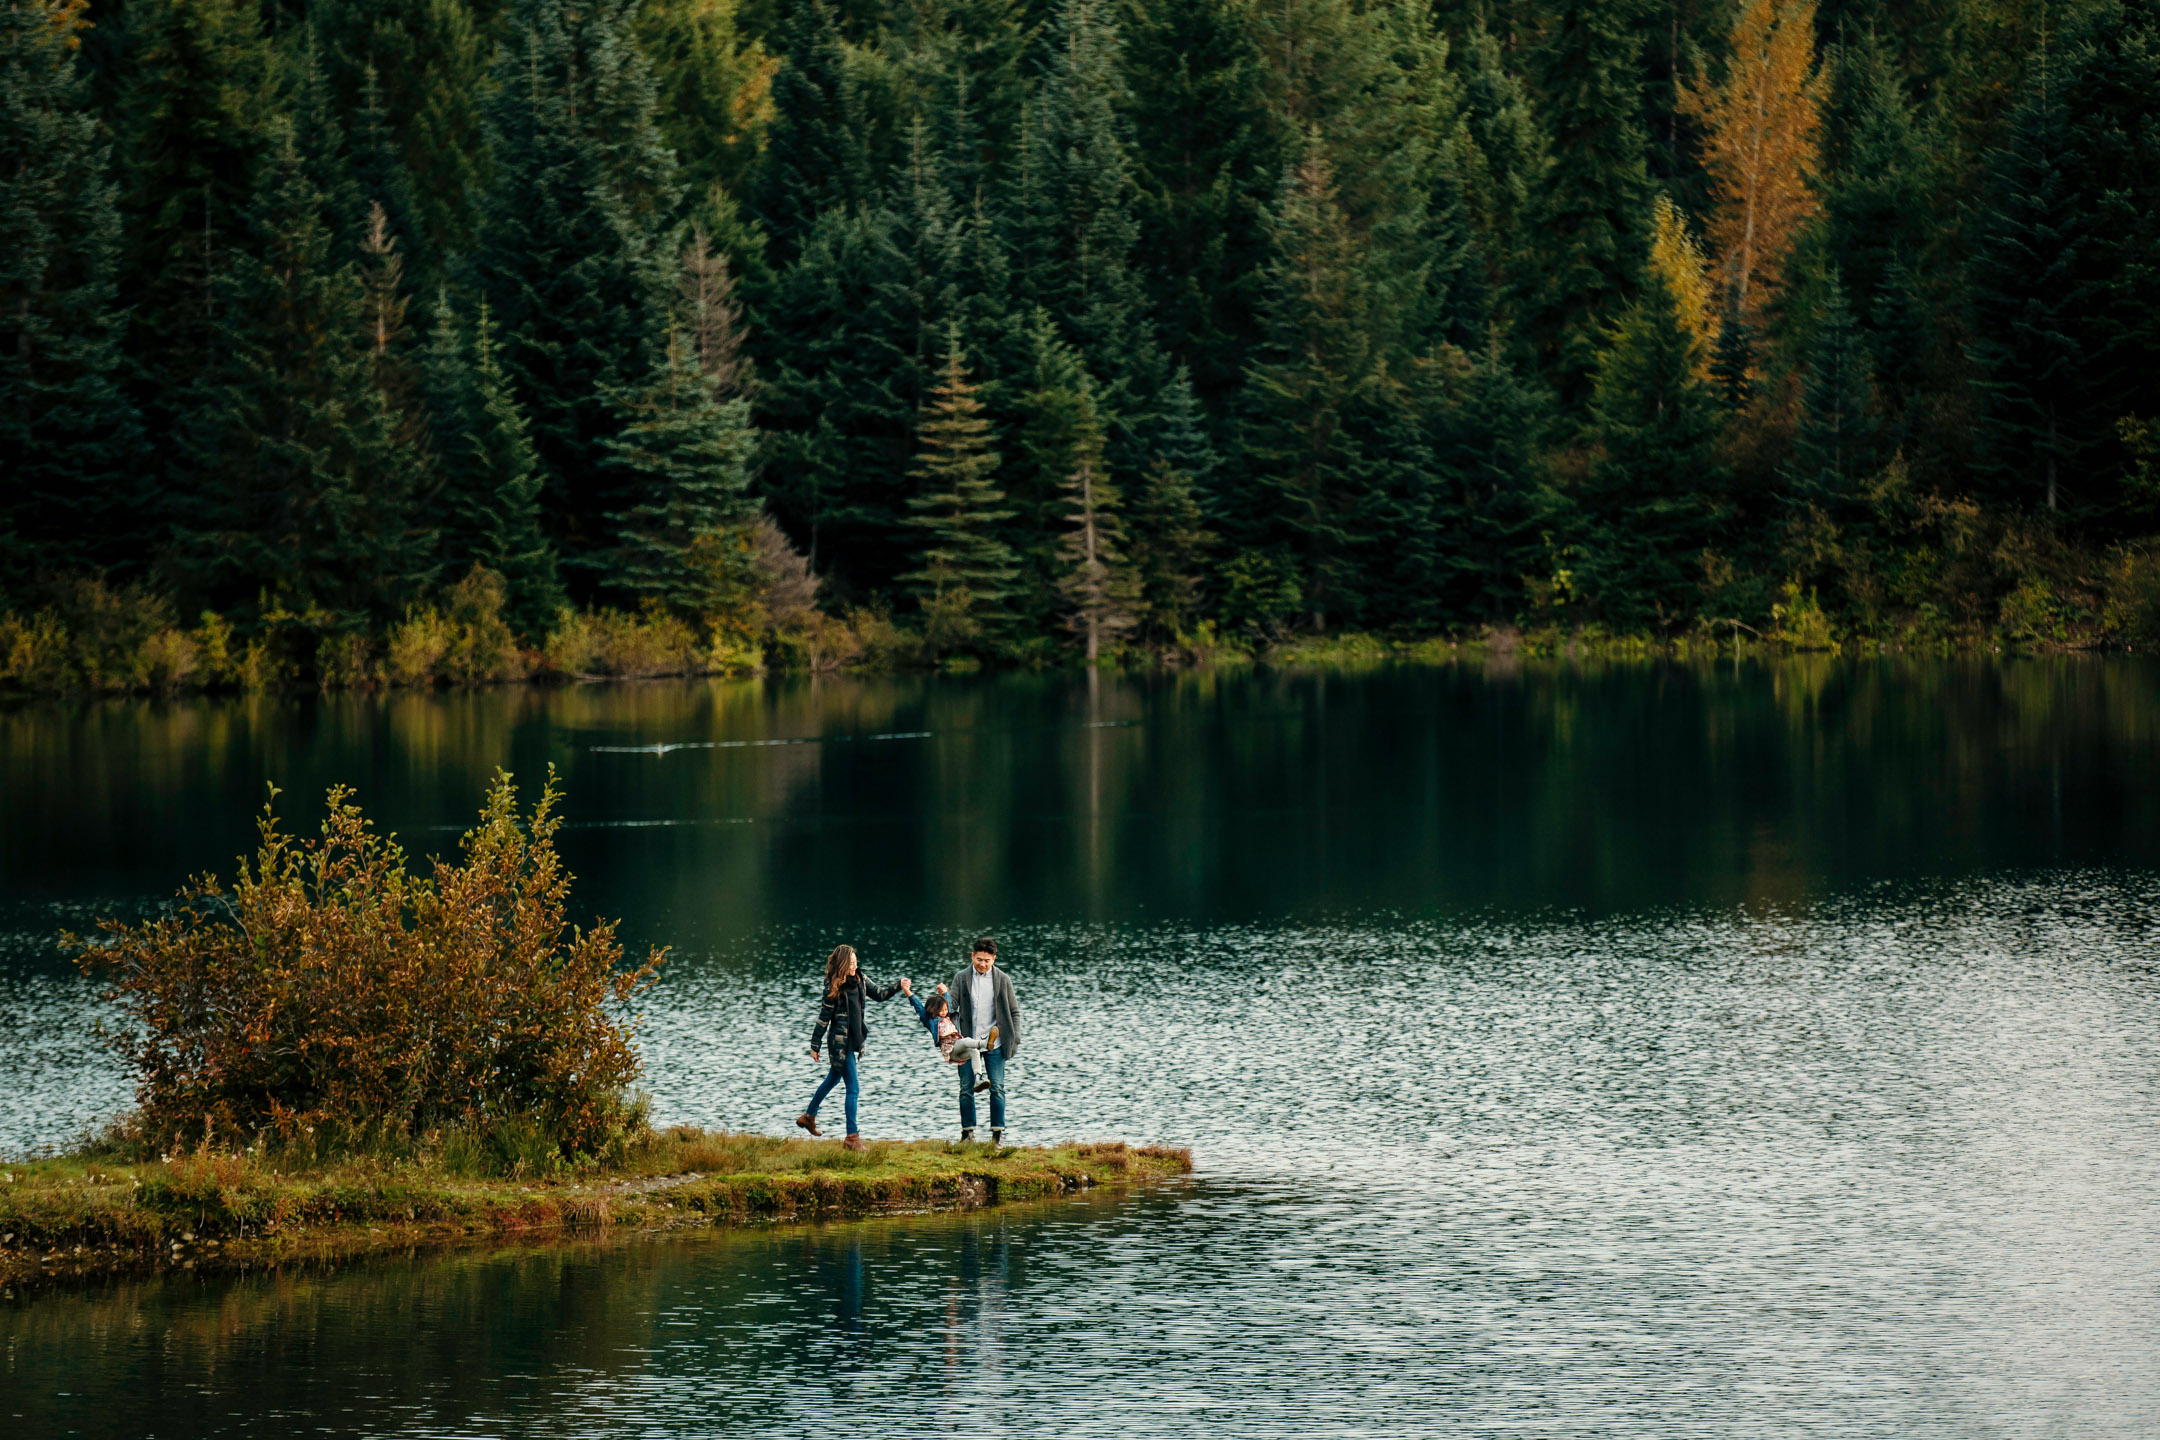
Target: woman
{"x":841,"y":1016}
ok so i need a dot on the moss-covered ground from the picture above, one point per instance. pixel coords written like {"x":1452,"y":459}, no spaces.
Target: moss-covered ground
{"x":91,"y":1212}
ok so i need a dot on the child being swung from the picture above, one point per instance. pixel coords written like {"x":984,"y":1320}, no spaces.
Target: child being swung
{"x":955,"y":1047}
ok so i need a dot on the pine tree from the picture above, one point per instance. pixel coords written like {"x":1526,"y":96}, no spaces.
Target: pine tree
{"x":685,"y":453}
{"x":2110,"y":90}
{"x":1875,"y":167}
{"x":2032,"y":297}
{"x":1207,"y":155}
{"x":576,"y":259}
{"x":489,"y":476}
{"x":69,"y":439}
{"x":964,"y":570}
{"x":1504,"y":166}
{"x":1073,"y":217}
{"x":1497,"y":507}
{"x":302,"y":487}
{"x":1592,"y":227}
{"x":838,"y":367}
{"x":1100,"y":587}
{"x":1834,"y":449}
{"x":819,"y":148}
{"x":1311,"y":386}
{"x":410,"y":77}
{"x":193,"y":113}
{"x":1651,"y":506}
{"x":1759,"y":144}
{"x":1055,"y":420}
{"x":715,"y":86}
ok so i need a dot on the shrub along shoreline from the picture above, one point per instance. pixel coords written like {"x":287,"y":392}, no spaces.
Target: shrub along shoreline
{"x":96,"y":1211}
{"x":128,"y":643}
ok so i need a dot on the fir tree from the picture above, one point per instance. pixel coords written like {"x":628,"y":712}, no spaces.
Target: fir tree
{"x":964,"y":571}
{"x":411,"y":77}
{"x":193,"y":109}
{"x":302,"y":489}
{"x":715,"y":89}
{"x":1834,"y":449}
{"x":2032,"y":296}
{"x":489,"y":477}
{"x":69,"y":440}
{"x":1497,"y":508}
{"x":1073,"y":214}
{"x":1591,"y":230}
{"x":1650,"y":508}
{"x":1055,"y":420}
{"x":685,"y":453}
{"x":1875,"y":167}
{"x":1504,"y":166}
{"x":576,"y":255}
{"x":819,"y":149}
{"x":839,"y":368}
{"x":1312,"y":385}
{"x":1207,"y":154}
{"x":1100,"y":587}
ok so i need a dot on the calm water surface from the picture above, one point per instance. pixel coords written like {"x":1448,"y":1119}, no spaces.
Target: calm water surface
{"x":1770,"y":1051}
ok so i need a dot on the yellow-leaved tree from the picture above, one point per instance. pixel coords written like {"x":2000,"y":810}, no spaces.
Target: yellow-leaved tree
{"x":1679,"y":262}
{"x":1760,"y":127}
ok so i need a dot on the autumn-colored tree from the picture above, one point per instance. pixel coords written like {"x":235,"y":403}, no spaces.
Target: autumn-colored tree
{"x":1760,"y":126}
{"x":1678,"y":261}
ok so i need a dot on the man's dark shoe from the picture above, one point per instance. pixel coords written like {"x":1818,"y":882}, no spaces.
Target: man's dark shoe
{"x":997,"y":1137}
{"x":808,"y":1122}
{"x":967,"y":1137}
{"x":854,"y":1142}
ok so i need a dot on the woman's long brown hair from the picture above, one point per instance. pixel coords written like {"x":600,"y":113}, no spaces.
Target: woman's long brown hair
{"x":836,"y":968}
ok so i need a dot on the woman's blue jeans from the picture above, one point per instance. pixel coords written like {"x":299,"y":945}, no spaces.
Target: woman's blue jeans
{"x":842,"y":1069}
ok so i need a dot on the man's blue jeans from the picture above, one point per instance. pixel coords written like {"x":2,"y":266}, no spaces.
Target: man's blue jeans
{"x":994,"y":1066}
{"x":841,"y":1070}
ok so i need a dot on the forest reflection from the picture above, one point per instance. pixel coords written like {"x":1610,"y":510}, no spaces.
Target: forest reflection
{"x":1218,"y":794}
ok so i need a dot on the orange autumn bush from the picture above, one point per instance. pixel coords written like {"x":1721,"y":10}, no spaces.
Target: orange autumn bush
{"x":329,"y":989}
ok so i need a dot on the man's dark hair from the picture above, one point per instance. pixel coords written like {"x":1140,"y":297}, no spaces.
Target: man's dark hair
{"x":984,"y":946}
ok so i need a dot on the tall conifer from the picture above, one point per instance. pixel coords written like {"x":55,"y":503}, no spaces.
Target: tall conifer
{"x":576,"y":256}
{"x":1652,"y":504}
{"x":302,"y":484}
{"x":1592,"y":225}
{"x":964,"y":570}
{"x":76,"y":492}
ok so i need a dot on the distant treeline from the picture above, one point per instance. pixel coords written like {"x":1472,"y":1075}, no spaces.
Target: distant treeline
{"x":1007,"y":327}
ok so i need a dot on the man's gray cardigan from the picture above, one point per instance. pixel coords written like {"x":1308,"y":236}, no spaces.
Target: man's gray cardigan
{"x":1004,"y":1008}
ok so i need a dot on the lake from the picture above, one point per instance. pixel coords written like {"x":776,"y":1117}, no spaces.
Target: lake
{"x":1589,"y":1050}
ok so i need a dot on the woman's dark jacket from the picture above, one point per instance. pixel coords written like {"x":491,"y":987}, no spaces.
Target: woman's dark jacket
{"x":842,"y":1014}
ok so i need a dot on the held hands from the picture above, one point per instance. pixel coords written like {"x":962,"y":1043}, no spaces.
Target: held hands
{"x":907,"y":987}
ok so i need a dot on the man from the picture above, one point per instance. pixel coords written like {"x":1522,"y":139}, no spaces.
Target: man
{"x":982,"y":996}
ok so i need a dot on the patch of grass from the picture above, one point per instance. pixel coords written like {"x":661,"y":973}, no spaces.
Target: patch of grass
{"x":101,"y":1210}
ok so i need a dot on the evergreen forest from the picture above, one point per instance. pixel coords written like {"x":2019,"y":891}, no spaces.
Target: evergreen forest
{"x":353,"y":340}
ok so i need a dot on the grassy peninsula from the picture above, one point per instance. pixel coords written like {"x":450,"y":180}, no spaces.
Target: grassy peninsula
{"x":100,"y":1210}
{"x":340,"y":1052}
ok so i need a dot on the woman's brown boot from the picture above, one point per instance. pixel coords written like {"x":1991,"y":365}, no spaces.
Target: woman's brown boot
{"x":808,"y":1122}
{"x":854,"y":1142}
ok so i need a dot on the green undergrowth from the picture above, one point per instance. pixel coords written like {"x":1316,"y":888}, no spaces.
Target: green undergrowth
{"x":102,"y":1210}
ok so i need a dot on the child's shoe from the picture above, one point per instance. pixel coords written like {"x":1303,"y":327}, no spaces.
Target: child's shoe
{"x":990,"y":1040}
{"x":981,"y":1085}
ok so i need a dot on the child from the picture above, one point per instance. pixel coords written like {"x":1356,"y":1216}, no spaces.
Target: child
{"x":955,"y":1047}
